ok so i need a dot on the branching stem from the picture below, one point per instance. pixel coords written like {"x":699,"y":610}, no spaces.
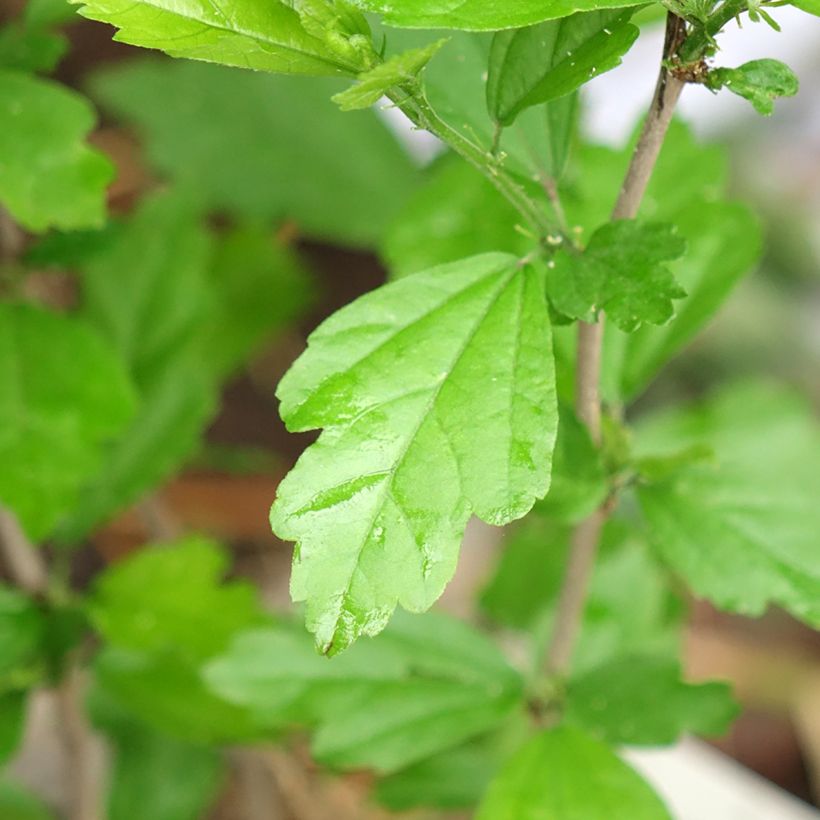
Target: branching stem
{"x":585,"y":538}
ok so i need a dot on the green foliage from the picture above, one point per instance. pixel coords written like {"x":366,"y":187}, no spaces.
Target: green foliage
{"x":21,"y":635}
{"x":810,"y":6}
{"x":48,"y":176}
{"x":18,"y":804}
{"x":425,"y":685}
{"x":398,"y":470}
{"x":542,"y":63}
{"x":563,"y":774}
{"x":155,"y":777}
{"x":641,"y":701}
{"x":455,"y":214}
{"x":28,"y":42}
{"x":479,"y":15}
{"x":756,"y":501}
{"x":187,"y":609}
{"x":761,"y":82}
{"x":63,"y":394}
{"x":291,"y":153}
{"x":288,"y":38}
{"x":372,"y":85}
{"x":621,"y":271}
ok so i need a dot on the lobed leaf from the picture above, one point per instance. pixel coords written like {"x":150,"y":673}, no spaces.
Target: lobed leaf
{"x":379,"y":503}
{"x":761,"y":82}
{"x":741,"y":529}
{"x":621,"y":271}
{"x":49,"y":177}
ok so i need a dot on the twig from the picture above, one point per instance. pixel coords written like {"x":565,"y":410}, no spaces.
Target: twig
{"x":585,"y":538}
{"x":24,"y":564}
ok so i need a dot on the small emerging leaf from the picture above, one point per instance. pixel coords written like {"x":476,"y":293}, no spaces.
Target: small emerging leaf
{"x":621,"y":271}
{"x":761,"y":82}
{"x":534,"y":65}
{"x":371,"y":86}
{"x":379,"y":503}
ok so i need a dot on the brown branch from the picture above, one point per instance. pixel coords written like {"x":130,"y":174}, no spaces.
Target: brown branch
{"x":585,"y":538}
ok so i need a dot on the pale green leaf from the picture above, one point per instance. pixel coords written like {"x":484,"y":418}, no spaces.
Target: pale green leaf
{"x":372,"y":85}
{"x":534,"y":65}
{"x":642,"y":701}
{"x":456,"y":213}
{"x":741,"y":529}
{"x":761,"y":82}
{"x":187,"y":608}
{"x":294,"y":155}
{"x":810,"y":6}
{"x":564,"y":774}
{"x":49,"y":176}
{"x":379,"y":503}
{"x":621,"y":271}
{"x":425,"y":685}
{"x":266,"y":37}
{"x":63,"y":395}
{"x":480,"y":15}
{"x":561,"y":117}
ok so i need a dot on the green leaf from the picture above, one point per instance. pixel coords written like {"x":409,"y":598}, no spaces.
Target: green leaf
{"x":455,"y":779}
{"x":742,"y":530}
{"x":30,"y":49}
{"x":155,"y":776}
{"x":534,"y":65}
{"x":579,"y":483}
{"x":723,"y":242}
{"x":18,"y":804}
{"x":272,"y":37}
{"x":12,"y":718}
{"x":456,"y":213}
{"x":21,"y":635}
{"x":426,"y":684}
{"x":187,"y":610}
{"x":294,"y":155}
{"x":49,"y":176}
{"x":642,"y":701}
{"x":167,"y":692}
{"x":563,"y":774}
{"x":480,"y":15}
{"x":259,"y":287}
{"x":622,"y":272}
{"x":809,"y":6}
{"x":63,"y":394}
{"x":524,"y":591}
{"x":561,"y":117}
{"x":761,"y":82}
{"x":146,"y":288}
{"x":379,"y":503}
{"x":372,"y":85}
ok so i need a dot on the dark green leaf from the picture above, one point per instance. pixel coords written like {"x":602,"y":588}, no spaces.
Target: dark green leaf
{"x":479,"y":15}
{"x":283,"y":37}
{"x":741,"y":530}
{"x":541,"y":63}
{"x":621,"y":271}
{"x":63,"y":394}
{"x":379,"y":503}
{"x":49,"y":176}
{"x":294,"y":155}
{"x":22,"y":627}
{"x":563,"y":774}
{"x":170,"y":596}
{"x":642,"y":701}
{"x":761,"y":82}
{"x":12,"y":716}
{"x":372,"y":85}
